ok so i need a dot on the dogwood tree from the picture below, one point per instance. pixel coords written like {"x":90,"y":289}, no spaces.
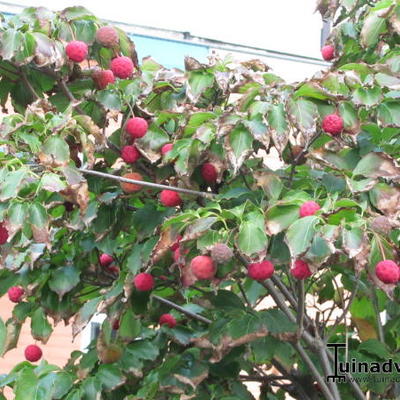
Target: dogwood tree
{"x":229,"y":224}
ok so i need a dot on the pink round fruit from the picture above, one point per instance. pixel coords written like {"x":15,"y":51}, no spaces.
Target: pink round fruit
{"x":33,"y":353}
{"x":260,"y":271}
{"x":105,"y":260}
{"x":203,"y":267}
{"x":113,"y":269}
{"x":107,"y":36}
{"x":308,"y":208}
{"x":130,"y":154}
{"x":170,"y":198}
{"x":102,"y":78}
{"x":136,"y":127}
{"x":387,"y":271}
{"x":328,"y":52}
{"x":300,"y":270}
{"x":167,"y":319}
{"x":122,"y":67}
{"x":15,"y":294}
{"x":209,"y":173}
{"x":175,"y":245}
{"x":143,"y":282}
{"x":76,"y":50}
{"x":166,"y":148}
{"x":332,"y":124}
{"x":3,"y":233}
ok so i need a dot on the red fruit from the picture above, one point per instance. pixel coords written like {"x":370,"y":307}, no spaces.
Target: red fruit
{"x":169,"y":198}
{"x":105,"y":260}
{"x":15,"y":294}
{"x":166,"y":148}
{"x":33,"y":353}
{"x":332,"y":124}
{"x":131,"y":187}
{"x":136,"y":127}
{"x":143,"y":282}
{"x":114,"y":269}
{"x":102,"y":78}
{"x":167,"y":319}
{"x":209,"y":173}
{"x":308,"y":208}
{"x":260,"y":271}
{"x":76,"y":50}
{"x":178,"y":253}
{"x":203,"y":267}
{"x":3,"y":233}
{"x":130,"y":154}
{"x":122,"y":67}
{"x":300,"y":270}
{"x":328,"y":52}
{"x":176,"y":244}
{"x":387,"y":271}
{"x":115,"y":325}
{"x":107,"y":36}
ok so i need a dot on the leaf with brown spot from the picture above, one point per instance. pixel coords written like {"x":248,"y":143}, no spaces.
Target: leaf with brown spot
{"x":192,"y":381}
{"x":378,"y":165}
{"x":77,"y":194}
{"x":88,"y":125}
{"x":386,"y":199}
{"x":167,"y":238}
{"x":198,"y":228}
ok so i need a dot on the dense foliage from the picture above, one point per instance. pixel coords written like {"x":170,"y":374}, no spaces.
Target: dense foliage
{"x":278,"y":189}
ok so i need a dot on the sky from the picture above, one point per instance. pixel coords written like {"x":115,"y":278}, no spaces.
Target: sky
{"x":283,"y":25}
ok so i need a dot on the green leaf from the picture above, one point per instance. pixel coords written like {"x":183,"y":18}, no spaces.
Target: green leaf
{"x":52,"y":182}
{"x":63,"y":280}
{"x":10,"y":42}
{"x":241,"y":143}
{"x":199,"y":81}
{"x":40,"y":326}
{"x":129,"y":326}
{"x":300,"y":234}
{"x":280,"y":217}
{"x":37,"y":215}
{"x":303,"y":114}
{"x":376,"y":165}
{"x":375,"y":348}
{"x":374,"y":25}
{"x":12,"y":184}
{"x":3,"y":337}
{"x":110,"y":377}
{"x":278,"y":126}
{"x":26,"y":385}
{"x":55,"y":150}
{"x":109,"y":99}
{"x":226,"y":300}
{"x":389,"y":113}
{"x":350,"y":118}
{"x":368,"y":97}
{"x":252,"y":237}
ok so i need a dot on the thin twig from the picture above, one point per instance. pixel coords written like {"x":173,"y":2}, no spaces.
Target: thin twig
{"x":28,"y":84}
{"x":63,"y":86}
{"x":345,"y":311}
{"x":246,"y":299}
{"x":282,"y":287}
{"x":146,"y":184}
{"x":300,"y":308}
{"x":314,"y":371}
{"x":181,"y":309}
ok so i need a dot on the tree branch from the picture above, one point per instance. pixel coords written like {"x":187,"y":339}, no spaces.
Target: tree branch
{"x":181,"y":309}
{"x":146,"y":184}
